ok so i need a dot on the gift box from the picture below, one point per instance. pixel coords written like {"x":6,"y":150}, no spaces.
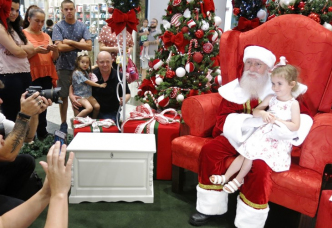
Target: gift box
{"x":165,"y":126}
{"x":87,"y":124}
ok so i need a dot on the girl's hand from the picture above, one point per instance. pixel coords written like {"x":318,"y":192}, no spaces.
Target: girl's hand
{"x":103,"y":85}
{"x":41,"y":50}
{"x":52,"y":47}
{"x":268,"y":117}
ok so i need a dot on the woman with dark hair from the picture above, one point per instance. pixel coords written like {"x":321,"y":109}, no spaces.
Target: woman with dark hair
{"x":42,"y":68}
{"x":14,"y":65}
{"x":26,"y":21}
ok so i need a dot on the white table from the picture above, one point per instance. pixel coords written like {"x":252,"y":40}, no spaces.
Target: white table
{"x":112,"y":167}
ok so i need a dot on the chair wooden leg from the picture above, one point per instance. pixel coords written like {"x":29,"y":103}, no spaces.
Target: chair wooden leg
{"x":306,"y":221}
{"x":177,"y":179}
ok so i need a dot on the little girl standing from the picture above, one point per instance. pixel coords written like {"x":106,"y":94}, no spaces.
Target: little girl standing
{"x":283,"y":108}
{"x":82,"y":86}
{"x":144,"y":32}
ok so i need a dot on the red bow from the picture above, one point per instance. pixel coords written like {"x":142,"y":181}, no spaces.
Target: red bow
{"x":5,"y":6}
{"x":120,"y":20}
{"x":246,"y":25}
{"x":180,"y":42}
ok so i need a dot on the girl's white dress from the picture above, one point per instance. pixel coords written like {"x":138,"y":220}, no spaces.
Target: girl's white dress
{"x":260,"y":145}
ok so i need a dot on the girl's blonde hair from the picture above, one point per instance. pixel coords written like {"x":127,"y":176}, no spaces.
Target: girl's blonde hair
{"x":288,"y":72}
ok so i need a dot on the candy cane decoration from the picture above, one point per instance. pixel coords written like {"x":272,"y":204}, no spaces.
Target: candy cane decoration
{"x":169,"y":57}
{"x":190,"y":46}
{"x":151,"y":94}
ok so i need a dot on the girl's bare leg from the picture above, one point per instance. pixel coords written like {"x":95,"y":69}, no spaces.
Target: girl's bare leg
{"x":95,"y":105}
{"x":87,"y":108}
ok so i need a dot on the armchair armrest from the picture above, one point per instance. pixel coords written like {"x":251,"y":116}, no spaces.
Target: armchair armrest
{"x":316,"y":148}
{"x":199,"y":113}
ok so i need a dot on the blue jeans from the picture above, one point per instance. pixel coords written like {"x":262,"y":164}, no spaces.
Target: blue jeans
{"x":108,"y":115}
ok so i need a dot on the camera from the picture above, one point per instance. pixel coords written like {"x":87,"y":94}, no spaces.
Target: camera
{"x":52,"y":94}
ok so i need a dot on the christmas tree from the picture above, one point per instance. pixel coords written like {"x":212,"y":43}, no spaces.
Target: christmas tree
{"x":187,"y":61}
{"x":318,"y":10}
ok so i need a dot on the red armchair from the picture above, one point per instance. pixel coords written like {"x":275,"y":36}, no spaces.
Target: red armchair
{"x":307,"y":45}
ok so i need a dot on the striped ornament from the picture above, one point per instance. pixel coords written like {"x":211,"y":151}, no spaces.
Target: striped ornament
{"x":175,"y":19}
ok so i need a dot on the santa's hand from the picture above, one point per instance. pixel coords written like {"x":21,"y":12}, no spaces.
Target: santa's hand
{"x":281,"y":132}
{"x":250,"y":123}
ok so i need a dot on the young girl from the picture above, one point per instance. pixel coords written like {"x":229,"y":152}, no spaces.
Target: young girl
{"x":82,"y":86}
{"x":261,"y":145}
{"x":144,"y":32}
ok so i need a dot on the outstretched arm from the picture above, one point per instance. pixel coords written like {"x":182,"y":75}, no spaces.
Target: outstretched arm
{"x":91,"y":83}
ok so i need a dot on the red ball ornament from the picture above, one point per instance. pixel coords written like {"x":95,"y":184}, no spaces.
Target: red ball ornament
{"x":169,"y":9}
{"x":200,"y":84}
{"x":199,"y":33}
{"x":150,"y":64}
{"x":315,"y":17}
{"x":137,"y":9}
{"x":170,"y":74}
{"x":174,"y":92}
{"x":330,"y":9}
{"x":198,"y":57}
{"x":163,"y":101}
{"x":213,"y":36}
{"x":176,"y":2}
{"x":301,"y":5}
{"x":218,"y":80}
{"x":190,"y":67}
{"x":207,"y":48}
{"x":236,"y":11}
{"x":185,"y":29}
{"x":110,"y":10}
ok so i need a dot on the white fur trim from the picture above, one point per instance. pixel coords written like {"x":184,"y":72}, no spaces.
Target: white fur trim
{"x":281,"y":132}
{"x":260,"y":53}
{"x":233,"y":129}
{"x":211,"y":202}
{"x":248,"y":217}
{"x":300,"y":90}
{"x":158,"y":64}
{"x":234,"y":93}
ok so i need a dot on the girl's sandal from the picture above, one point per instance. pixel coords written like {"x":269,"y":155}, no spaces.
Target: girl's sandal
{"x":232,"y":186}
{"x":218,"y":179}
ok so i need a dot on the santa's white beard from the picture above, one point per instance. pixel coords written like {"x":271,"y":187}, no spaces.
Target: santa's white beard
{"x":253,"y":85}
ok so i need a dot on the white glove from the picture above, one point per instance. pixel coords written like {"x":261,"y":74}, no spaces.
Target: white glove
{"x":281,"y":132}
{"x":250,"y":123}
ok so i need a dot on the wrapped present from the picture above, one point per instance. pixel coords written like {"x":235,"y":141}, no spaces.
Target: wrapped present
{"x":86,"y":124}
{"x":165,"y":126}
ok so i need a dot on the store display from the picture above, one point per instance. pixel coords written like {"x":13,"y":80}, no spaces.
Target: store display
{"x":92,"y":15}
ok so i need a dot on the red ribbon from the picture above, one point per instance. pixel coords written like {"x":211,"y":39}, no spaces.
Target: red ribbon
{"x":120,"y":20}
{"x":178,"y":40}
{"x":246,"y":25}
{"x":5,"y":6}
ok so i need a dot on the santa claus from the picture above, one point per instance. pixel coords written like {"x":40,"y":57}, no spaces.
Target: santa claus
{"x":234,"y":125}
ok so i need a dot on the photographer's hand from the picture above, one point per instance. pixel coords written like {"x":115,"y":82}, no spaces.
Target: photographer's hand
{"x":31,"y":105}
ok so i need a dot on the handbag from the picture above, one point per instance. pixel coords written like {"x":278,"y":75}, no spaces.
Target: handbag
{"x":131,"y":72}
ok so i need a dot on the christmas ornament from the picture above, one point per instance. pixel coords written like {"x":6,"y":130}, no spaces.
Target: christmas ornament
{"x":189,"y":67}
{"x":198,"y":57}
{"x":301,"y":5}
{"x":261,"y":14}
{"x":196,"y":13}
{"x":174,"y":92}
{"x":315,"y":17}
{"x":163,"y":101}
{"x":207,"y":48}
{"x":175,"y":19}
{"x":199,"y":33}
{"x":110,"y":10}
{"x":185,"y":29}
{"x":285,"y":3}
{"x":157,"y":63}
{"x":159,"y":79}
{"x":220,"y":31}
{"x":121,"y":20}
{"x":190,"y":47}
{"x":170,"y":74}
{"x":169,"y":9}
{"x":236,"y":11}
{"x":138,"y":9}
{"x":218,"y":80}
{"x":205,"y":25}
{"x":208,"y":14}
{"x":327,"y":26}
{"x":180,"y":98}
{"x":271,"y":17}
{"x":177,"y":2}
{"x":213,"y":36}
{"x":218,"y":71}
{"x":191,"y":23}
{"x":187,"y":13}
{"x":330,"y":9}
{"x":150,"y":64}
{"x":217,"y":21}
{"x":166,"y":24}
{"x":180,"y":72}
{"x":169,"y":57}
{"x":189,"y":1}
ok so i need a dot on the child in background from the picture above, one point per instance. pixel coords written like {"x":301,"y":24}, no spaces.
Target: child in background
{"x":283,"y":108}
{"x":144,"y":32}
{"x":82,"y":85}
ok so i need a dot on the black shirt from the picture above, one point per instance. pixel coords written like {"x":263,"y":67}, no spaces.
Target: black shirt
{"x":106,"y":97}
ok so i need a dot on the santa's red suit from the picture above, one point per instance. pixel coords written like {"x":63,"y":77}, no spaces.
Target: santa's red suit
{"x":234,"y":125}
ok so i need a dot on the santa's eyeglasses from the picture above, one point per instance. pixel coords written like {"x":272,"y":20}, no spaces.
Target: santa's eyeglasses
{"x":249,"y":63}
